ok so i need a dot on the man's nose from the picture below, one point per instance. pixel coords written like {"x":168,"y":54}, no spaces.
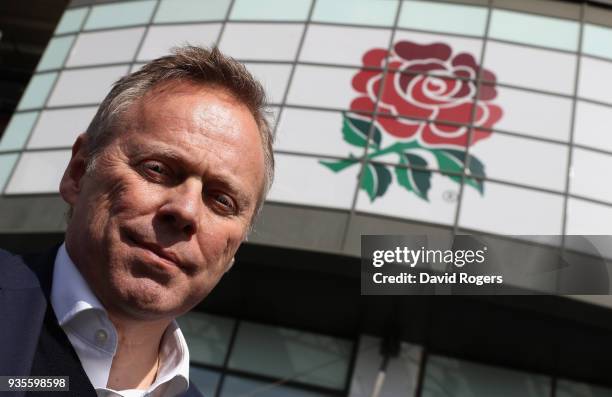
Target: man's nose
{"x":183,"y":207}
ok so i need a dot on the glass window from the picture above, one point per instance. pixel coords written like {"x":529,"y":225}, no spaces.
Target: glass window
{"x":244,"y":41}
{"x":234,"y":386}
{"x":446,"y":18}
{"x":447,"y":376}
{"x":160,"y":39}
{"x":39,"y":172}
{"x":304,"y":180}
{"x":426,"y":201}
{"x":543,"y":31}
{"x":597,"y":40}
{"x":317,"y":132}
{"x":504,"y":209}
{"x":69,"y":89}
{"x":273,"y":77}
{"x":573,"y":389}
{"x":523,"y":161}
{"x":208,"y":337}
{"x":191,"y":10}
{"x":37,"y":92}
{"x":120,"y":14}
{"x":586,"y":218}
{"x":341,"y":45}
{"x":17,"y":131}
{"x":55,"y":53}
{"x":593,"y":125}
{"x":322,"y":86}
{"x":402,"y":371}
{"x":290,"y":354}
{"x":7,"y":162}
{"x":593,"y":80}
{"x":97,"y":48}
{"x":539,"y":115}
{"x":71,"y":20}
{"x":295,"y":10}
{"x":540,"y":69}
{"x":206,"y":380}
{"x":60,"y":127}
{"x":588,"y":167}
{"x":360,"y":12}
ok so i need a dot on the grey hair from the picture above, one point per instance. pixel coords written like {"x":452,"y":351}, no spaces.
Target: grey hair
{"x":191,"y":64}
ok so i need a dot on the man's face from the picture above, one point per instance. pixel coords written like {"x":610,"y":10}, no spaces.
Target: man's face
{"x":171,"y":197}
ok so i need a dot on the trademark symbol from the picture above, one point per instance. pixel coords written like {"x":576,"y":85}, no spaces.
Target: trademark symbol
{"x":450,"y":196}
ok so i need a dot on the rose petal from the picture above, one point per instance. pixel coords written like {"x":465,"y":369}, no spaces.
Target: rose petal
{"x":399,"y":128}
{"x":391,"y":97}
{"x":461,"y":113}
{"x":362,"y":104}
{"x":361,"y":79}
{"x":375,"y":58}
{"x":465,"y":91}
{"x":409,"y":50}
{"x":411,"y":70}
{"x":439,"y":135}
{"x":465,"y":59}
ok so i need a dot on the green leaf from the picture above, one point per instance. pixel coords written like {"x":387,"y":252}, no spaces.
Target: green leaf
{"x":418,"y":181}
{"x":376,"y":180}
{"x":339,"y":165}
{"x":355,"y":132}
{"x":453,"y":161}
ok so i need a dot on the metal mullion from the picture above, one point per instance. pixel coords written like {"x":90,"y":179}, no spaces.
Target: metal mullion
{"x":572,"y":132}
{"x":364,"y":159}
{"x":230,"y":349}
{"x":298,"y":52}
{"x":224,"y":22}
{"x":472,"y":118}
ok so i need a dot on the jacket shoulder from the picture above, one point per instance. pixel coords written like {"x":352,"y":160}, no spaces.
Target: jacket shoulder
{"x":15,"y":273}
{"x":192,"y":391}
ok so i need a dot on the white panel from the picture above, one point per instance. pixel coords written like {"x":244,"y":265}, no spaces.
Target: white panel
{"x":114,"y":46}
{"x":85,"y":86}
{"x":588,"y":175}
{"x":160,"y":39}
{"x":586,"y":218}
{"x":270,"y":42}
{"x":531,"y":67}
{"x":457,"y":44}
{"x":341,"y":45}
{"x":313,"y":131}
{"x":328,"y":87}
{"x":398,"y":202}
{"x":39,"y":172}
{"x":60,"y":127}
{"x":511,"y":210}
{"x":595,"y":82}
{"x":401,"y":375}
{"x":593,"y":126}
{"x":274,"y":78}
{"x":303,"y":180}
{"x":523,"y":161}
{"x":539,"y":115}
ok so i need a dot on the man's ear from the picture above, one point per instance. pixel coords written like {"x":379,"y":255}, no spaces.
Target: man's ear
{"x":70,"y":186}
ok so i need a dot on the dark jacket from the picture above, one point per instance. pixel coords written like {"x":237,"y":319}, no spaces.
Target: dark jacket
{"x":31,"y":340}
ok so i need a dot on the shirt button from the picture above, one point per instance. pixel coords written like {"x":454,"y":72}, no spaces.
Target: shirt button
{"x":101,"y":336}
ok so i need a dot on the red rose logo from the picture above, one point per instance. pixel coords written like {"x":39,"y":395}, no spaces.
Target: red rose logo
{"x":436,"y":96}
{"x":427,"y":82}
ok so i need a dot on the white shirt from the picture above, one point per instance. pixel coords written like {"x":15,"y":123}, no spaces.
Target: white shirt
{"x":94,"y":337}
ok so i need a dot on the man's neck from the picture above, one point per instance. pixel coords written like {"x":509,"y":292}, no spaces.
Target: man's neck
{"x":136,"y":361}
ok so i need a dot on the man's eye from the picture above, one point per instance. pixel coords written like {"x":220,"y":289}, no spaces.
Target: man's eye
{"x":225,"y":201}
{"x":155,"y":169}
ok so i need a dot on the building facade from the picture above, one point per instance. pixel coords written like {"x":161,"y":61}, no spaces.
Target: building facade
{"x":392,"y":117}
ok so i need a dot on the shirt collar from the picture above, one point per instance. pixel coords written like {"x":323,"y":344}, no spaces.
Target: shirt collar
{"x":80,"y":312}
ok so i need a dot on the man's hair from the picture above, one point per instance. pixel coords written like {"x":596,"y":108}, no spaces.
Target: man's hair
{"x":190,"y":64}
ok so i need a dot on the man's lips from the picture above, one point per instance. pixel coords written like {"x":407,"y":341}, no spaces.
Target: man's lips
{"x":167,"y":256}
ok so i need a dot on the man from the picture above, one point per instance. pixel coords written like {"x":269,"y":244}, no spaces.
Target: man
{"x":163,"y":187}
